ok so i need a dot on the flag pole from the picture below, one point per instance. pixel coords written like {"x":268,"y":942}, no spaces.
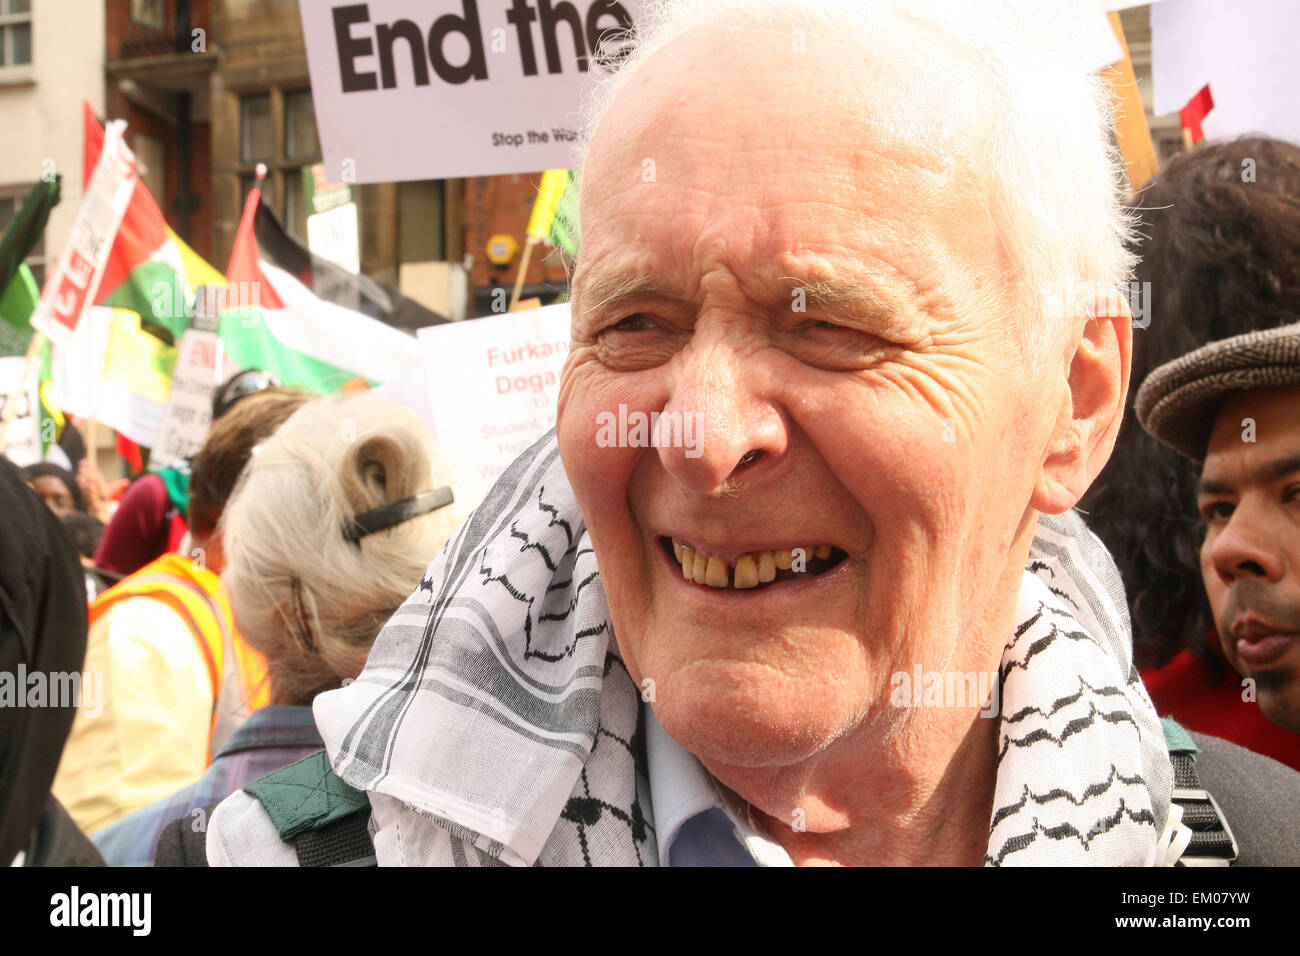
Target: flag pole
{"x":91,"y":423}
{"x":11,"y":406}
{"x":523,"y":270}
{"x":549,"y":191}
{"x":1132,"y":133}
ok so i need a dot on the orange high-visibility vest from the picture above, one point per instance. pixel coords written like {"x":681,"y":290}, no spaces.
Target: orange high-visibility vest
{"x":237,"y":672}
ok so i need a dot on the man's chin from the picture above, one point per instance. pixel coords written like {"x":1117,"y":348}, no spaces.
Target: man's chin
{"x":1279,"y":698}
{"x":744,"y":715}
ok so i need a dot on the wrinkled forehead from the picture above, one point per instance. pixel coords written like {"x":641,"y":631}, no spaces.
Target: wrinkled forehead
{"x":907,"y":92}
{"x":796,"y":136}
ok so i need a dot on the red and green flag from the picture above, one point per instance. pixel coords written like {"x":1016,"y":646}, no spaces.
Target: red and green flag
{"x":150,"y":269}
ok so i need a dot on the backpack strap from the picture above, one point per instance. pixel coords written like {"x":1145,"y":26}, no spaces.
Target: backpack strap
{"x":325,"y":820}
{"x":1212,"y":841}
{"x":183,"y":842}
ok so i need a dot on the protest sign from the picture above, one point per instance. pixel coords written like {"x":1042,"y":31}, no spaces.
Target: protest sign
{"x":431,"y":89}
{"x":487,"y":391}
{"x":23,"y":440}
{"x":71,"y":288}
{"x":201,"y":367}
{"x":1245,"y":53}
{"x":112,"y":370}
{"x":331,"y":219}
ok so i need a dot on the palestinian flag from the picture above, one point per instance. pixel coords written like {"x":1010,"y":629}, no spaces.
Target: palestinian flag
{"x":332,"y":282}
{"x":271,"y":320}
{"x":150,"y":269}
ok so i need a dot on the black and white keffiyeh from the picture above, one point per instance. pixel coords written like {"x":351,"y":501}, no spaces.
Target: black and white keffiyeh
{"x":496,"y":723}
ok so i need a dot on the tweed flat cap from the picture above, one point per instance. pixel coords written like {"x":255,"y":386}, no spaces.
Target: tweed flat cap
{"x":1179,"y":401}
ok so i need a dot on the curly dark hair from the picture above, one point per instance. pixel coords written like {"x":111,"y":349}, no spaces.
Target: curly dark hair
{"x":1219,"y":242}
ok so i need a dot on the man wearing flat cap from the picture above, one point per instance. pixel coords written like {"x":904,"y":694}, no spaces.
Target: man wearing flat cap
{"x":1234,"y":406}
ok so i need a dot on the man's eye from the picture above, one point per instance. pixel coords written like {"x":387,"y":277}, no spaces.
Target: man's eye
{"x":1217,"y":511}
{"x":637,"y":322}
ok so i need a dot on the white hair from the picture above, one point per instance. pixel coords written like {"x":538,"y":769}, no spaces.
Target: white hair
{"x":1058,"y":196}
{"x":302,"y":593}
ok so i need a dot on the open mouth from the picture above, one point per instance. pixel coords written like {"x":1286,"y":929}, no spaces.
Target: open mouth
{"x":752,"y":570}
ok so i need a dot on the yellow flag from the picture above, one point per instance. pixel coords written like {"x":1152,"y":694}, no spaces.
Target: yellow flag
{"x":554,"y":182}
{"x":136,"y":361}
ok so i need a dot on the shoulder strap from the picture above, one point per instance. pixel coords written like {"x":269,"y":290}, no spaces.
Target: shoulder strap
{"x":325,"y":820}
{"x":184,"y":841}
{"x":1212,"y":841}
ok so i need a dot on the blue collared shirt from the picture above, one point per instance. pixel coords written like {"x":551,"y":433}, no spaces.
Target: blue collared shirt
{"x":271,"y":738}
{"x":698,"y":822}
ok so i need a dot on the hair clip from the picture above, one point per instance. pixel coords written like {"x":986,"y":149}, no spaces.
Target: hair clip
{"x":380,"y":518}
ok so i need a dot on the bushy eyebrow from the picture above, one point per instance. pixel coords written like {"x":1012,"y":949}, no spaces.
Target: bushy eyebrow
{"x":833,"y":295}
{"x":1264,"y":474}
{"x":611,"y":290}
{"x":827,"y":295}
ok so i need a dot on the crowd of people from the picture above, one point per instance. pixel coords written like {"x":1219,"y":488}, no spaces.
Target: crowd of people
{"x":935,"y":466}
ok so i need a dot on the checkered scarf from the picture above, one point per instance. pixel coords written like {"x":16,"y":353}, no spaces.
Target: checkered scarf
{"x":496,"y":723}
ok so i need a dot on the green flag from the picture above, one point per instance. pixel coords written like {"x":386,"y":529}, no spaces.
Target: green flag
{"x":564,"y":225}
{"x":17,"y":302}
{"x":27,"y":227}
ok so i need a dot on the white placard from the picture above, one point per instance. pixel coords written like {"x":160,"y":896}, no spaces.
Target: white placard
{"x":332,"y":235}
{"x":201,"y":367}
{"x":71,"y":288}
{"x":432,"y":89}
{"x":77,"y":366}
{"x":23,"y":440}
{"x":1245,"y":51}
{"x":488,"y":391}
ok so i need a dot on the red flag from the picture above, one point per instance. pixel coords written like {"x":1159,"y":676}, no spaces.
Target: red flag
{"x":143,"y":228}
{"x":131,"y":452}
{"x":1197,"y":108}
{"x":245,"y":259}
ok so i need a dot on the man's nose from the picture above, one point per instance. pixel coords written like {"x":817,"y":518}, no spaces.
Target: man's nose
{"x":1247,"y":547}
{"x":731,"y":428}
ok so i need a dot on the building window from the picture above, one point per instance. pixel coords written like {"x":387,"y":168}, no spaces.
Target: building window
{"x":15,"y":33}
{"x":149,"y":13}
{"x":279,"y":129}
{"x":300,"y":144}
{"x":11,"y":200}
{"x":255,"y":128}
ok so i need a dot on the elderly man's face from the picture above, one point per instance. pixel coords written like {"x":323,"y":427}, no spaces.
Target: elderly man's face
{"x":1250,"y":561}
{"x":802,"y":265}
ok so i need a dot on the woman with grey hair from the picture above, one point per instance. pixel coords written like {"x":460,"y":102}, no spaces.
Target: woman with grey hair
{"x":330,"y":528}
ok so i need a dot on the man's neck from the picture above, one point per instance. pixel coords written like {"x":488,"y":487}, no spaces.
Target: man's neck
{"x":918,"y":795}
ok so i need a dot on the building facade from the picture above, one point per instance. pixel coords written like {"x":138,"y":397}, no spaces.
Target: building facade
{"x":213,"y":88}
{"x":51,"y":60}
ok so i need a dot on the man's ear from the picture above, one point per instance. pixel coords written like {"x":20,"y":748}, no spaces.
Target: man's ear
{"x":1085,"y":430}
